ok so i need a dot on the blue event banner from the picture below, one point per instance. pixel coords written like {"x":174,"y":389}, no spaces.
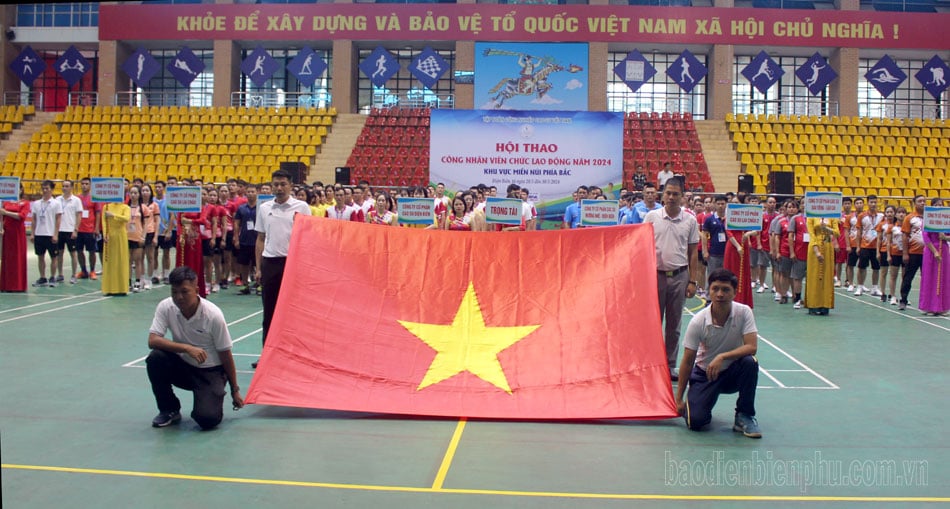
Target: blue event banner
{"x":549,"y":152}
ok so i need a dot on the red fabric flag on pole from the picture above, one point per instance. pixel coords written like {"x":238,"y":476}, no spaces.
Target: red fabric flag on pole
{"x":531,"y":325}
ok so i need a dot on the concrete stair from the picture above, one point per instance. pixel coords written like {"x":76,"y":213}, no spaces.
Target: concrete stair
{"x":721,"y":157}
{"x":24,"y":132}
{"x":338,"y":146}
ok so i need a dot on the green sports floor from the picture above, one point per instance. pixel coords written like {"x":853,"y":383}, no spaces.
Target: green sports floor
{"x":852,"y":407}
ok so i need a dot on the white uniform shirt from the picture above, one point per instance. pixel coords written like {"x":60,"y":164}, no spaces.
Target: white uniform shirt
{"x":672,"y":237}
{"x":711,"y":340}
{"x":45,"y":212}
{"x":206,"y":330}
{"x":276,"y":220}
{"x":70,"y":207}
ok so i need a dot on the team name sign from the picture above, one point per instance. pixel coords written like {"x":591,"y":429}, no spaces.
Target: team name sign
{"x":599,"y":212}
{"x":415,"y":210}
{"x":822,"y":204}
{"x":742,"y":216}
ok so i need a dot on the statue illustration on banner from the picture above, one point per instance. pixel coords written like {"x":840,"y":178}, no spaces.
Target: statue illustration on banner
{"x":531,"y":76}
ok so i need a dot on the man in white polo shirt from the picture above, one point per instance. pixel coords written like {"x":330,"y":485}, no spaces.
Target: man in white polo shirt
{"x":197,"y":358}
{"x":68,"y":231}
{"x":275,"y":220}
{"x":676,"y":234}
{"x":47,"y":214}
{"x":719,"y":358}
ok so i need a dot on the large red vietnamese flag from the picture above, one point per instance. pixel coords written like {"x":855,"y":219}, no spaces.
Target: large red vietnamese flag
{"x":548,"y":324}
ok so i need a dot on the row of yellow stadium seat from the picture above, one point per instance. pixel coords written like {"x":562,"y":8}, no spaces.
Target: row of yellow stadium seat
{"x":843,"y":120}
{"x":755,"y":128}
{"x":856,"y":150}
{"x":202,"y":110}
{"x":835,"y":139}
{"x":83,"y":141}
{"x":78,"y":150}
{"x":68,"y":159}
{"x":146,"y":172}
{"x":851,"y":181}
{"x":853,"y":171}
{"x":839,"y":160}
{"x":905,"y":195}
{"x":211,"y":130}
{"x":94,"y":118}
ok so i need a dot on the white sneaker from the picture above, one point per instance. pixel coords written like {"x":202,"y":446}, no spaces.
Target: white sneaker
{"x":876,"y":291}
{"x":837,"y":282}
{"x":789,"y":294}
{"x":858,"y":292}
{"x":761,"y":289}
{"x":850,"y":288}
{"x":777,"y":297}
{"x":893,"y":301}
{"x":798,"y":305}
{"x":865,"y":289}
{"x":137,"y":287}
{"x":215,"y":288}
{"x":147,"y":285}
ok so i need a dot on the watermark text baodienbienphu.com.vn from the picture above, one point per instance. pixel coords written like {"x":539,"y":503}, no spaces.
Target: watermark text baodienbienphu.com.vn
{"x":763,"y":469}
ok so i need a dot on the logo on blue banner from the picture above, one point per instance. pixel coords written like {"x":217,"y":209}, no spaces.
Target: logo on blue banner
{"x":763,"y":72}
{"x":885,"y":76}
{"x":634,"y":70}
{"x":28,"y":66}
{"x":141,"y":67}
{"x":185,"y":66}
{"x":379,"y":66}
{"x":428,"y":67}
{"x":307,"y":66}
{"x":687,"y":71}
{"x":72,"y":66}
{"x":933,"y":76}
{"x":259,"y":66}
{"x":816,"y":73}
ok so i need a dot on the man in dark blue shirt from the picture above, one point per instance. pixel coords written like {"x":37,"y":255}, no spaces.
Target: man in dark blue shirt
{"x":245,"y":238}
{"x":714,"y":235}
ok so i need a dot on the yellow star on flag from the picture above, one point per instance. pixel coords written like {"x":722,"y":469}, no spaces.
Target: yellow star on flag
{"x":467,"y":344}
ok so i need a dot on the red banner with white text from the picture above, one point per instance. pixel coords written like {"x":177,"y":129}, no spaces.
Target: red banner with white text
{"x":536,"y":23}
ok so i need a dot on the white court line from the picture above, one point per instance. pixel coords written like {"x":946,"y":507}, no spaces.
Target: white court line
{"x":132,"y":364}
{"x":796,"y":361}
{"x":788,"y":371}
{"x":766,"y":373}
{"x":51,"y":310}
{"x":48,"y":303}
{"x":800,"y":363}
{"x":826,"y":388}
{"x":896,"y":312}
